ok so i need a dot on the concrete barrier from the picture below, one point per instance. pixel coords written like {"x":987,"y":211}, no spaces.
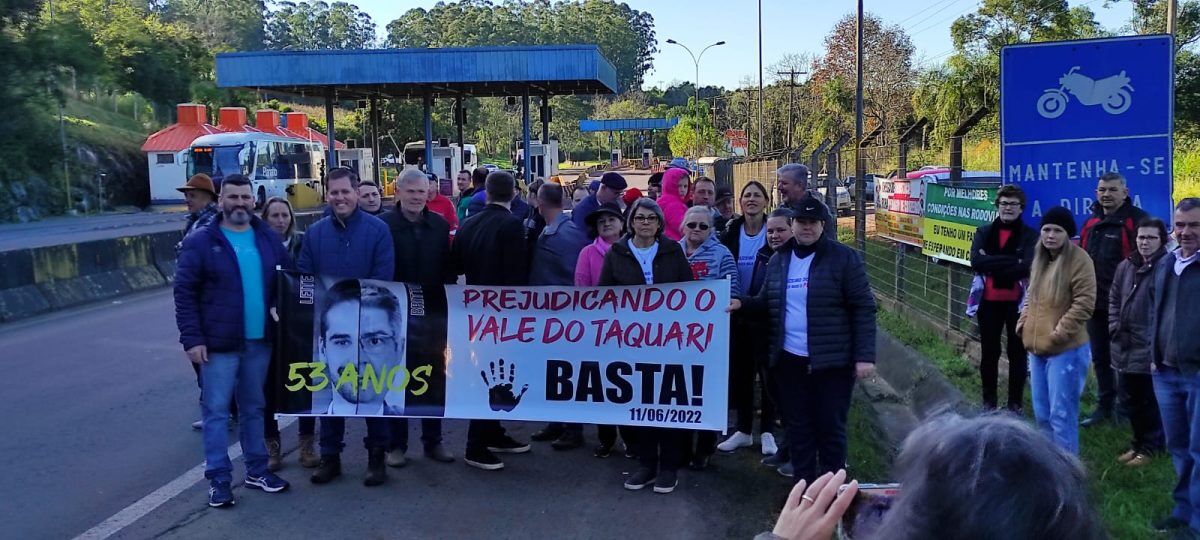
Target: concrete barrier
{"x":19,"y":297}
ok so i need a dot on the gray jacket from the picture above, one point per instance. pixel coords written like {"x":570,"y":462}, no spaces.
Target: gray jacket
{"x":1129,"y":313}
{"x":556,"y":252}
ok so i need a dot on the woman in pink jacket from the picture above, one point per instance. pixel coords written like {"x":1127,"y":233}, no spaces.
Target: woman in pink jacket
{"x":606,"y":224}
{"x":674,"y":189}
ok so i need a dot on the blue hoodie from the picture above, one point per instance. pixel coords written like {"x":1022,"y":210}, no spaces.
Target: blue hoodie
{"x":359,"y":247}
{"x":713,"y":261}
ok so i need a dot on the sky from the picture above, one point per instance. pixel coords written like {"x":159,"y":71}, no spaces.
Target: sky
{"x":788,"y":27}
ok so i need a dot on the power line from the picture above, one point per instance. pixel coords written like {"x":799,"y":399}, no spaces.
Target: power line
{"x":927,"y":8}
{"x":935,"y":13}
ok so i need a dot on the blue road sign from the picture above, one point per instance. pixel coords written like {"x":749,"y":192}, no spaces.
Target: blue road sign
{"x":1071,"y":111}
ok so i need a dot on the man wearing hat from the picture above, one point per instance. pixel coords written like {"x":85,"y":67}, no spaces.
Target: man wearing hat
{"x":611,"y":186}
{"x":201,"y":199}
{"x":724,"y":208}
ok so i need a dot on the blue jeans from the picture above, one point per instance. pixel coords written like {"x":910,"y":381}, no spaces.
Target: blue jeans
{"x":242,"y":372}
{"x":1177,"y":403}
{"x":1056,"y":382}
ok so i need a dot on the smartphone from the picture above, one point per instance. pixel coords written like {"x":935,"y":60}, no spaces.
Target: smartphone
{"x":867,"y":511}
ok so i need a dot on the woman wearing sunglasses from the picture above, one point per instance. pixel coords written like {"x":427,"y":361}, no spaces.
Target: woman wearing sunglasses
{"x":710,"y":260}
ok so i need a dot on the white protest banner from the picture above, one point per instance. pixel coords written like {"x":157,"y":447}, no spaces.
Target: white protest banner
{"x":642,"y":356}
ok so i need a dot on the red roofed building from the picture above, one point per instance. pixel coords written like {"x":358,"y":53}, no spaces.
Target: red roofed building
{"x":233,"y":120}
{"x":297,"y":123}
{"x":166,"y":151}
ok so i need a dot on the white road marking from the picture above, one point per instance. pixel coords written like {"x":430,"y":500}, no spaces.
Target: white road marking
{"x":158,"y":497}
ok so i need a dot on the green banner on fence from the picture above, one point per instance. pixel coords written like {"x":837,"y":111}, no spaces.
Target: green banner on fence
{"x":951,"y":216}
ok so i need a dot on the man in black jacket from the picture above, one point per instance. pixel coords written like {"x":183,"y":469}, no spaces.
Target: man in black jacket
{"x":1109,"y":236}
{"x":490,"y":249}
{"x":821,"y":335}
{"x":1002,"y":253}
{"x":422,"y":257}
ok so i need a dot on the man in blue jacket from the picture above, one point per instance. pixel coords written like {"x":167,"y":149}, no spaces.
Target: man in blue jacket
{"x":348,"y":243}
{"x":223,"y":292}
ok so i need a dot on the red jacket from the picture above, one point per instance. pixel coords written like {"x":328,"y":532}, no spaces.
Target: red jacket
{"x":445,"y":207}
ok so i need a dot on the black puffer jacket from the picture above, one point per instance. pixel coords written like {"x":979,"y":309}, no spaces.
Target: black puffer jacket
{"x":1129,"y":313}
{"x":841,"y":307}
{"x":1110,"y":239}
{"x":621,"y":267}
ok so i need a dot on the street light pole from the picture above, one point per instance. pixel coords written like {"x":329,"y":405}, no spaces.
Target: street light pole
{"x":696,"y":62}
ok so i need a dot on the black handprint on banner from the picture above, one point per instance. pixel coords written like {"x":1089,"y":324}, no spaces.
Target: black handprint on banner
{"x":500,"y":389}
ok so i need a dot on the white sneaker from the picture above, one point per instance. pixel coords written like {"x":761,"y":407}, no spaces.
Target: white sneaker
{"x":735,"y":441}
{"x":769,"y":448}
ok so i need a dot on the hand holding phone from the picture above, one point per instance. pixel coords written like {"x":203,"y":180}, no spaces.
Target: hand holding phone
{"x":867,"y":510}
{"x":812,"y":512}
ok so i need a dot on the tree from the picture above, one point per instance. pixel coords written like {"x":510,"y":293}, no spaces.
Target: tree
{"x":888,"y":87}
{"x":1150,"y":17}
{"x":318,"y":25}
{"x":694,"y":135}
{"x":221,"y":25}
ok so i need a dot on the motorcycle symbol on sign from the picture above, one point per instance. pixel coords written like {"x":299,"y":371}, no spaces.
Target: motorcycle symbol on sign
{"x":1110,"y":93}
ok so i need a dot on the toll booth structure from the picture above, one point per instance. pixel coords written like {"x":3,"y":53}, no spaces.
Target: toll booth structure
{"x":425,"y":74}
{"x":645,"y":154}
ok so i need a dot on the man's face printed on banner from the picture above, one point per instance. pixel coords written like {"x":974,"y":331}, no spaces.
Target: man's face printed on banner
{"x":359,"y":335}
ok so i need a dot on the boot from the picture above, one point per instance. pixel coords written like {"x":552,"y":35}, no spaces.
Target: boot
{"x":274,"y":459}
{"x":376,"y":470}
{"x":308,"y":452}
{"x":330,"y":468}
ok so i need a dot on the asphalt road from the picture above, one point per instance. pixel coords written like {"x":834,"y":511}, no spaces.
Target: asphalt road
{"x":101,"y":401}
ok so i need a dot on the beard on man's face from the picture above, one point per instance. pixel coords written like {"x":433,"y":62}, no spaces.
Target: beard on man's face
{"x":237,"y":215}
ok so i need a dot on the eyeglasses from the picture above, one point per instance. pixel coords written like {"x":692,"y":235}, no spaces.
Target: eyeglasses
{"x":1008,"y":203}
{"x":646,"y":219}
{"x":695,"y":225}
{"x":368,"y":343}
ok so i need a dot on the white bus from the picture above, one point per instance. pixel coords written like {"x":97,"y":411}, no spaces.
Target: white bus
{"x":271,"y":162}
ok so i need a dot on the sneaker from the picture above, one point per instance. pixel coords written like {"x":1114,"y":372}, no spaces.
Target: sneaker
{"x":603,"y":450}
{"x":699,"y":462}
{"x":308,"y":452}
{"x":508,"y":445}
{"x":439,"y":453}
{"x":1139,"y":460}
{"x":548,"y":433}
{"x":640,"y":479}
{"x":220,"y":494}
{"x":786,"y":470}
{"x":1168,"y":524}
{"x":1099,"y":416}
{"x":330,"y":468}
{"x":769,"y":448}
{"x":198,"y":425}
{"x":569,"y":440}
{"x":666,"y":482}
{"x":629,"y":453}
{"x":735,"y":441}
{"x":774,"y":460}
{"x":1128,"y":455}
{"x":268,"y":482}
{"x":483,"y":459}
{"x":396,"y":458}
{"x":274,"y":455}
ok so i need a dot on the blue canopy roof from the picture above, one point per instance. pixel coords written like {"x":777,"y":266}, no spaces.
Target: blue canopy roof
{"x":403,"y":73}
{"x":627,"y":124}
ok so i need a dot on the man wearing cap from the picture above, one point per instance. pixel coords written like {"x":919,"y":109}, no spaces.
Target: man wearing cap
{"x":793,"y":187}
{"x":821,"y":331}
{"x":724,"y":208}
{"x":611,"y":186}
{"x":201,"y":199}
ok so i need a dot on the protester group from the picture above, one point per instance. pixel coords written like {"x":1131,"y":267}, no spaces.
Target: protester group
{"x":1112,"y":295}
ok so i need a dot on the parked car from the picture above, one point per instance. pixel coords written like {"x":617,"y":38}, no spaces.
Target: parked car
{"x":844,"y":208}
{"x":868,"y":186}
{"x":490,"y":167}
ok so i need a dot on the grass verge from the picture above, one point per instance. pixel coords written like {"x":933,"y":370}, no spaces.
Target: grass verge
{"x":1127,"y":499}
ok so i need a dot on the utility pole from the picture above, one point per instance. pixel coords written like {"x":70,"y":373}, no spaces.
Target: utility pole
{"x":761,"y":97}
{"x":1171,"y":10}
{"x":791,"y":100}
{"x":860,"y":209}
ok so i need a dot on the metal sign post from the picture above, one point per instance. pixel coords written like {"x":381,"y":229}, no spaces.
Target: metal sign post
{"x":1072,"y":111}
